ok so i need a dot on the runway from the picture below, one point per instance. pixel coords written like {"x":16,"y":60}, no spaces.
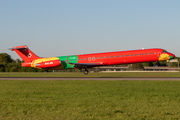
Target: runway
{"x":86,"y":78}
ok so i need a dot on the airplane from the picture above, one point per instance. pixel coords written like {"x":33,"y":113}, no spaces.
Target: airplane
{"x":85,"y":61}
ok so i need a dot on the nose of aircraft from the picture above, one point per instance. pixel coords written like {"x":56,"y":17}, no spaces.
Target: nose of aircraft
{"x":171,"y":55}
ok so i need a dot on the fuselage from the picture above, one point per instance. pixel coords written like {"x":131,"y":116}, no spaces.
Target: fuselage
{"x":115,"y":58}
{"x":85,"y":61}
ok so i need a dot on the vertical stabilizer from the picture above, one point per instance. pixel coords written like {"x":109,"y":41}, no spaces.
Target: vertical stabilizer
{"x":25,"y":53}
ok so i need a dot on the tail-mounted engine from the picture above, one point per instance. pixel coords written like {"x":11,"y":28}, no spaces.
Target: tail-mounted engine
{"x":43,"y":63}
{"x":48,"y":64}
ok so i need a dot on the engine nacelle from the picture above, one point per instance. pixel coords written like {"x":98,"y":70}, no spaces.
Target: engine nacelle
{"x":42,"y":63}
{"x":48,"y":64}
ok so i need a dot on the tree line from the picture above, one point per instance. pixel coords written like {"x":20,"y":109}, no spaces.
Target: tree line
{"x":7,"y":64}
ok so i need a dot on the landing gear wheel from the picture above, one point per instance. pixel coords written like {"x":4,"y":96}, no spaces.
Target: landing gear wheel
{"x":46,"y":71}
{"x":85,"y":72}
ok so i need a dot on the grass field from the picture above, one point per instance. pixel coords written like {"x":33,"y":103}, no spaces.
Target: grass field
{"x":95,"y":100}
{"x":80,"y":74}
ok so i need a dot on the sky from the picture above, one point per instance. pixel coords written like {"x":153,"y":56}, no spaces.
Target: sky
{"x":71,"y":27}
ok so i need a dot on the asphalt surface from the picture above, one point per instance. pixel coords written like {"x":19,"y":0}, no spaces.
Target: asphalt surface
{"x":60,"y":78}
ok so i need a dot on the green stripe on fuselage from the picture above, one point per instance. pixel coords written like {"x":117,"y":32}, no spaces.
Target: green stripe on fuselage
{"x":70,"y":59}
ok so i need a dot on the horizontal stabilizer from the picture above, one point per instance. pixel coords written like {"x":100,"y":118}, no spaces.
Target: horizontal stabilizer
{"x":18,"y":48}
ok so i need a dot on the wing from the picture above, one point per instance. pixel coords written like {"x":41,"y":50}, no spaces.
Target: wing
{"x":78,"y":65}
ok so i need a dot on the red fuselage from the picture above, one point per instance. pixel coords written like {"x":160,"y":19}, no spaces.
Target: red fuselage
{"x":91,"y":60}
{"x":124,"y":57}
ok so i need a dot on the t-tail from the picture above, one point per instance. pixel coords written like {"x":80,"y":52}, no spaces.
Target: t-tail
{"x":32,"y":60}
{"x":25,"y":53}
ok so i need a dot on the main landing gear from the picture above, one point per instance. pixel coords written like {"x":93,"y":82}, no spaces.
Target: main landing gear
{"x":85,"y":70}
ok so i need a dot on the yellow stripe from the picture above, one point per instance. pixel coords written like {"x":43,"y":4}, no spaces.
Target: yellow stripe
{"x":33,"y":64}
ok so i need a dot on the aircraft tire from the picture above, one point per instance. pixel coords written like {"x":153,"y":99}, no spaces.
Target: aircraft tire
{"x":85,"y":72}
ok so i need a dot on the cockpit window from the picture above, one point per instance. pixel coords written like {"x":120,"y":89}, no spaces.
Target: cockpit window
{"x":164,"y":51}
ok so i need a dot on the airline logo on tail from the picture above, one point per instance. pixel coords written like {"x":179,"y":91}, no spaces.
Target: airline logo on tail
{"x":29,"y":55}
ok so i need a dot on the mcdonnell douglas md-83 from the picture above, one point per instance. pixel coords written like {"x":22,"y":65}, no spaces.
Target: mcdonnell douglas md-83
{"x":85,"y":61}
